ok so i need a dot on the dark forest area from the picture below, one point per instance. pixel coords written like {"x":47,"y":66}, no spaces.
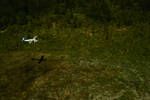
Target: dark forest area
{"x":117,"y":11}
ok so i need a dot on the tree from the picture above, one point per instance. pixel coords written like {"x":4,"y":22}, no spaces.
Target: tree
{"x":101,"y":10}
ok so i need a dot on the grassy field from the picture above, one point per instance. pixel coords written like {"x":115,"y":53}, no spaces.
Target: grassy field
{"x":80,"y":64}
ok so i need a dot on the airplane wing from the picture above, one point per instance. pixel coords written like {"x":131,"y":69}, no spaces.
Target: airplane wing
{"x":30,"y":42}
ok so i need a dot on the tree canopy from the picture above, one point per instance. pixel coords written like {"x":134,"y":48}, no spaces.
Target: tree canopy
{"x":18,"y":12}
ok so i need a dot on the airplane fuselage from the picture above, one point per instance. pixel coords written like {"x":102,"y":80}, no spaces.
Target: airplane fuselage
{"x":34,"y":40}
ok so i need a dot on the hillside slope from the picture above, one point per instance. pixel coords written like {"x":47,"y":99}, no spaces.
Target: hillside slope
{"x":80,"y":63}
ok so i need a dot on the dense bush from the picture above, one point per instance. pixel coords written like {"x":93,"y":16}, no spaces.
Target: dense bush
{"x":126,"y":12}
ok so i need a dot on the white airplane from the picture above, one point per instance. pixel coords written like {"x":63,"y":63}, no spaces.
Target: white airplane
{"x":30,"y":40}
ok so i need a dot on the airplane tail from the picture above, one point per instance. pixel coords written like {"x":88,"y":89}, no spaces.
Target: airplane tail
{"x":34,"y":37}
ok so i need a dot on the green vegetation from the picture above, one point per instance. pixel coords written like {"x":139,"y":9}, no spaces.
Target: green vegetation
{"x":94,"y":50}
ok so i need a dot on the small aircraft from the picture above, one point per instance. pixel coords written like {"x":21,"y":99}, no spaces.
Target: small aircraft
{"x":30,"y":40}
